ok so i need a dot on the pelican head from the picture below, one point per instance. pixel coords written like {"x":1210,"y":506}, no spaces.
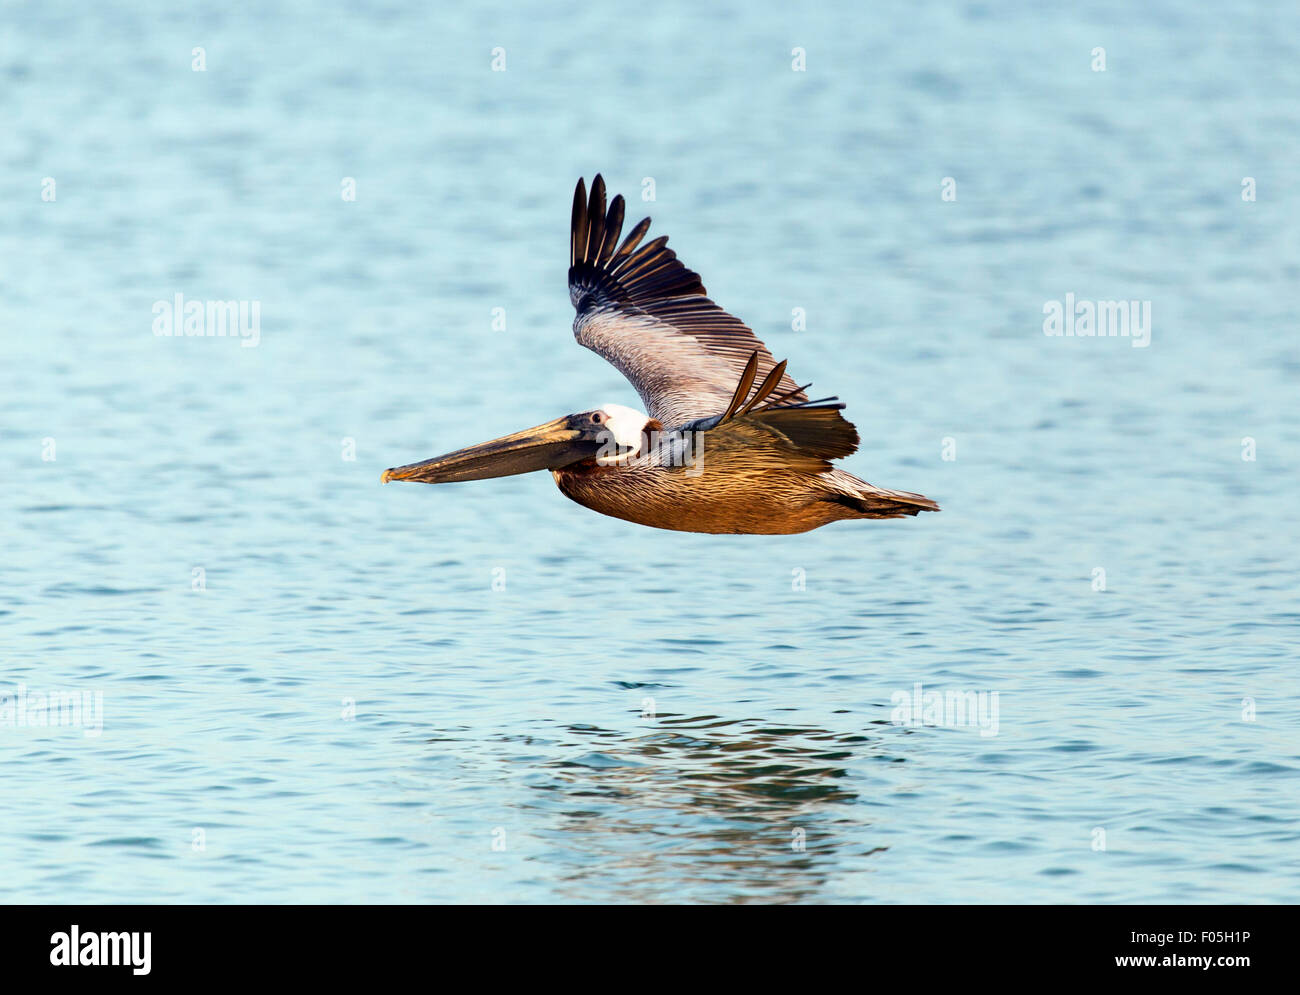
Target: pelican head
{"x":611,"y":435}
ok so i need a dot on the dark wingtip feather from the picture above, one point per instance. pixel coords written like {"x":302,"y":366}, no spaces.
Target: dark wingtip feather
{"x":609,"y":236}
{"x":578,"y":222}
{"x":629,"y":244}
{"x":781,"y":399}
{"x":768,"y":385}
{"x":742,"y":388}
{"x":595,"y":218}
{"x":650,"y":272}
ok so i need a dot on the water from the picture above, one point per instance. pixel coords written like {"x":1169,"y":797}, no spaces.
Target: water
{"x":1127,"y":765}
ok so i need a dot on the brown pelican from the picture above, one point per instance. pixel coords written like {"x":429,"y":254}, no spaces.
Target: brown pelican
{"x":731,"y":443}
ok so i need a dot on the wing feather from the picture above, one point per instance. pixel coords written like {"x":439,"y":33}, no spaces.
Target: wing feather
{"x":801,"y":438}
{"x":640,"y":308}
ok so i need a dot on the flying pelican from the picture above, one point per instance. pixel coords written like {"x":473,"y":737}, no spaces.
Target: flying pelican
{"x":715,"y":453}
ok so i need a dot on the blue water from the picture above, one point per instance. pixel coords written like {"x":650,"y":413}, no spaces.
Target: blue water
{"x":318,"y":689}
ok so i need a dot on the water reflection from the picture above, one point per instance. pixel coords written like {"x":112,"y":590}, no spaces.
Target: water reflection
{"x":705,"y":808}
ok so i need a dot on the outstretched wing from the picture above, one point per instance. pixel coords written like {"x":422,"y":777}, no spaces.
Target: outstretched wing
{"x":645,"y":312}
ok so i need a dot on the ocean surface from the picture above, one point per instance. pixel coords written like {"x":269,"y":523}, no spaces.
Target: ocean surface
{"x":297,"y":685}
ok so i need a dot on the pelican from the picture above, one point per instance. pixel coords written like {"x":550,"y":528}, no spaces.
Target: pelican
{"x":730,"y":444}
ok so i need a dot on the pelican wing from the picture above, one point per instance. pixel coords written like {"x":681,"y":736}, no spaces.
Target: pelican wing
{"x":804,"y":438}
{"x":645,"y":312}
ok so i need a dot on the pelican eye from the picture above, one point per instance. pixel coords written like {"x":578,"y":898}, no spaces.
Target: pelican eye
{"x":597,"y":417}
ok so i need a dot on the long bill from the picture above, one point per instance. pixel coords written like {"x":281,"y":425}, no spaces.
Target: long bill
{"x":546,"y":447}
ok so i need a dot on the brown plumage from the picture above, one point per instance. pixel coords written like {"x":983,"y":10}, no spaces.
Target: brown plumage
{"x":731,"y":443}
{"x":764,"y":469}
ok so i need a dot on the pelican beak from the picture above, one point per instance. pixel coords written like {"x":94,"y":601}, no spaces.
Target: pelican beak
{"x":546,"y":447}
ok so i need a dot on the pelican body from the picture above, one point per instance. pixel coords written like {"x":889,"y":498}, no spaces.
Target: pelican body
{"x":730,"y":444}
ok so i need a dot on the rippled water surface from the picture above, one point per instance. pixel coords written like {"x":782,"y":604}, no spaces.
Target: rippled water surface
{"x":315,"y":688}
